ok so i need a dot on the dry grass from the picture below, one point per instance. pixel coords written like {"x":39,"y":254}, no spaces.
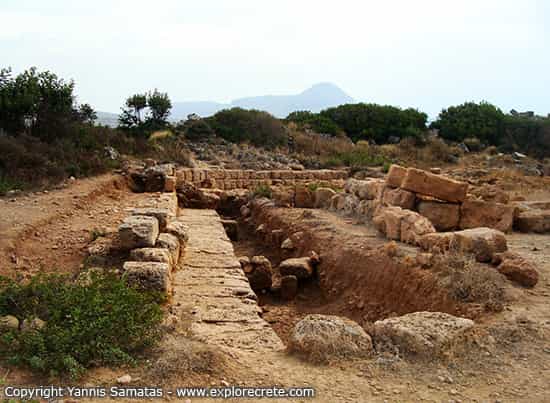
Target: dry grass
{"x":470,"y":281}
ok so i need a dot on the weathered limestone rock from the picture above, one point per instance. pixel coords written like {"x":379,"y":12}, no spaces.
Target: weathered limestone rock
{"x":516,"y":268}
{"x":151,"y":255}
{"x":303,"y":197}
{"x":283,"y":197}
{"x":419,"y":181}
{"x":350,"y":204}
{"x":423,"y":334}
{"x":482,"y":242}
{"x":370,"y":189}
{"x":32,"y":324}
{"x":436,"y":242}
{"x":402,"y":225}
{"x":300,"y":267}
{"x":9,"y":322}
{"x":337,"y":202}
{"x":395,"y":176}
{"x":388,"y":221}
{"x":179,"y":230}
{"x":289,"y":287}
{"x":322,"y":197}
{"x":287,"y":244}
{"x":170,"y":243}
{"x":152,"y":276}
{"x":366,"y":208}
{"x":138,"y":232}
{"x":533,"y":221}
{"x":320,"y":338}
{"x":443,"y":216}
{"x":170,"y":184}
{"x":477,"y":213}
{"x":163,"y":215}
{"x":399,"y":197}
{"x":259,"y":273}
{"x":231,"y":229}
{"x":414,"y":226}
{"x":491,"y":193}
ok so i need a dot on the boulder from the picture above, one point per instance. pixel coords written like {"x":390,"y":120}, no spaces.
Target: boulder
{"x":477,"y":213}
{"x":138,"y":232}
{"x":321,"y":338}
{"x":491,"y":193}
{"x":152,"y":276}
{"x":337,"y":202}
{"x":283,"y":197}
{"x":402,"y":225}
{"x":419,"y":181}
{"x":289,"y":287}
{"x":300,"y":267}
{"x":9,"y":322}
{"x":436,"y":242}
{"x":395,"y":176}
{"x":179,"y":230}
{"x":443,"y":216}
{"x":287,"y":244}
{"x":399,"y":197}
{"x":32,"y":324}
{"x":482,"y":242}
{"x":303,"y":197}
{"x":517,"y":269}
{"x":322,"y":197}
{"x":533,"y":221}
{"x":170,"y":243}
{"x":350,"y":204}
{"x":259,"y":273}
{"x":414,"y":226}
{"x":388,"y":221}
{"x":170,"y":184}
{"x":370,"y":189}
{"x":422,"y":334}
{"x":366,"y":208}
{"x":163,"y":215}
{"x":151,"y":255}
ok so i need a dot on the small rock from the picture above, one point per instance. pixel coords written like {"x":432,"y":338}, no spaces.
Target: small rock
{"x":32,"y":324}
{"x":124,"y":379}
{"x":9,"y":322}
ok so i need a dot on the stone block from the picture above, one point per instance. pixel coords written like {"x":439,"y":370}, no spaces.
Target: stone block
{"x":419,"y":181}
{"x":138,"y":231}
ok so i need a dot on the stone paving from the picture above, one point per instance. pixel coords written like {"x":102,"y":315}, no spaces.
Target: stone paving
{"x":212,"y":293}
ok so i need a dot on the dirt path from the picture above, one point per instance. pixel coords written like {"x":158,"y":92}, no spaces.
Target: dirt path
{"x":49,"y":231}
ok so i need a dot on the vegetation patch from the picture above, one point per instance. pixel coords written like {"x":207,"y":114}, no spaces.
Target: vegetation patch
{"x":66,"y":327}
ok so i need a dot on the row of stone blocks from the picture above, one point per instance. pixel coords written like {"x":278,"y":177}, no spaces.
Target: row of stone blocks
{"x":196,"y":175}
{"x":155,"y":239}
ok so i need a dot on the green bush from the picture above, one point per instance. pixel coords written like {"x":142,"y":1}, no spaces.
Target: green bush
{"x":377,"y":122}
{"x":483,"y":121}
{"x":240,"y":125}
{"x":355,"y":159}
{"x":99,"y":322}
{"x":315,"y":121}
{"x":263,"y":191}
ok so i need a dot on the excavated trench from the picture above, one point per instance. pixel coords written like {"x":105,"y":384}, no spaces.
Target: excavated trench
{"x":360,"y":275}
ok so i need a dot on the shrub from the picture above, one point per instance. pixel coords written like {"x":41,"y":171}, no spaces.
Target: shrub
{"x":314,"y":121}
{"x":101,"y":322}
{"x":240,"y":125}
{"x":263,"y":191}
{"x":483,"y":121}
{"x":377,"y":122}
{"x":355,"y":159}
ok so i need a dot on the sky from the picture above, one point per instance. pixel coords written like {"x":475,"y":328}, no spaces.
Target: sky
{"x":423,"y":54}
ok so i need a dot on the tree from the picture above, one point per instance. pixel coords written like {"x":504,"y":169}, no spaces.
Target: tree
{"x":131,"y":113}
{"x":39,"y":103}
{"x":159,"y":108}
{"x":483,"y":121}
{"x":86,"y":114}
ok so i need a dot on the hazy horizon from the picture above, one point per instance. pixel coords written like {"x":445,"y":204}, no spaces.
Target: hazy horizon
{"x":426,"y":55}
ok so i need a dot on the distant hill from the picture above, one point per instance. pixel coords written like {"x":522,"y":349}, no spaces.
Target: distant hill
{"x":107,"y":119}
{"x":316,"y":98}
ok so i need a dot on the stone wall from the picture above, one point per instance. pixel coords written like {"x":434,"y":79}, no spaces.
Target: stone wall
{"x":229,"y":179}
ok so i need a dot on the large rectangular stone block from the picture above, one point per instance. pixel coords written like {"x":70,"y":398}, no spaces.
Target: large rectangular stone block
{"x":444,"y":216}
{"x":395,"y":176}
{"x":419,"y":181}
{"x":151,"y":276}
{"x":138,"y":231}
{"x":478,"y":213}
